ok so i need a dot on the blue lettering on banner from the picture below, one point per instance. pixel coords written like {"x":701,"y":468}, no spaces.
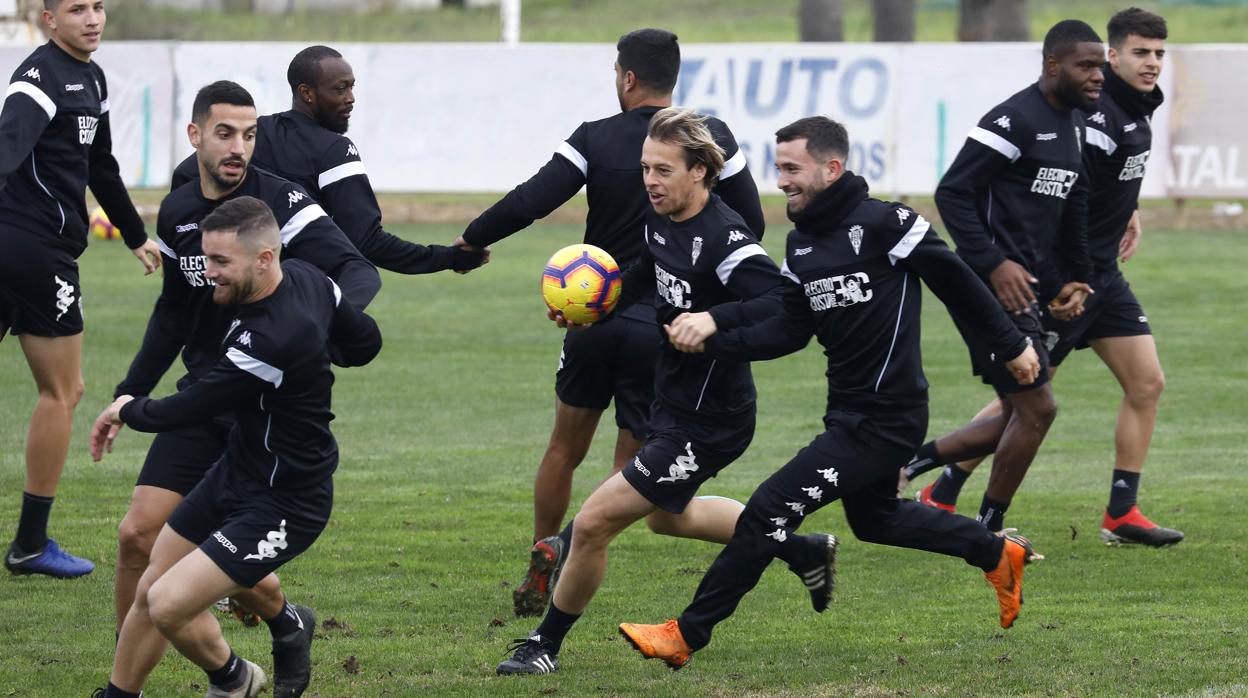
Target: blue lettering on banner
{"x":758,"y":95}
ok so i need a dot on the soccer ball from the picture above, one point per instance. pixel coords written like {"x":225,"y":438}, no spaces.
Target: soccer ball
{"x":101,"y":227}
{"x":582,"y":282}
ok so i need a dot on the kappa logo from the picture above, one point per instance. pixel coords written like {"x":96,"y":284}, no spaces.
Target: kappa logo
{"x":779,"y":535}
{"x":275,"y":541}
{"x":830,"y":475}
{"x":1143,"y":318}
{"x":220,"y":538}
{"x":1051,"y":339}
{"x":640,"y":468}
{"x":797,"y":507}
{"x":1098,"y":117}
{"x":903,"y":214}
{"x":697,"y":249}
{"x":683,"y":467}
{"x":1003,"y":122}
{"x":855,"y":237}
{"x":64,"y":296}
{"x":352,"y":152}
{"x":735,"y":236}
{"x":780,"y":520}
{"x":33,"y":74}
{"x":814,"y":493}
{"x":1046,"y":136}
{"x":1130,"y":127}
{"x":186,"y":228}
{"x":659,"y":239}
{"x":75,"y":88}
{"x":803,"y":251}
{"x":245,"y":338}
{"x":293,"y":198}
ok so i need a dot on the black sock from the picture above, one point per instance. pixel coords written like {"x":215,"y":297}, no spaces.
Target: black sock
{"x":1122,"y":492}
{"x":114,"y":692}
{"x":555,"y":626}
{"x":566,"y":536}
{"x":285,"y":623}
{"x":925,"y":459}
{"x":992,"y":514}
{"x":949,"y":485}
{"x":32,"y":527}
{"x":230,"y":675}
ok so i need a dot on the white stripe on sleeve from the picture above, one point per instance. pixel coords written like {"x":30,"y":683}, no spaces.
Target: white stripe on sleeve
{"x":573,"y":156}
{"x":787,"y":273}
{"x":300,"y":220}
{"x":735,"y":164}
{"x":726,"y":267}
{"x":254,"y":366}
{"x":41,"y":98}
{"x":995,"y":142}
{"x":167,"y":250}
{"x":1101,"y":140}
{"x":907,"y":243}
{"x":333,"y":174}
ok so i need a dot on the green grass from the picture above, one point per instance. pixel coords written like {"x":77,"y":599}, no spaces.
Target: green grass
{"x":441,"y":436}
{"x":606,"y":20}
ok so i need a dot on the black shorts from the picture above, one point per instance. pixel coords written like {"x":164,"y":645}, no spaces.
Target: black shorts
{"x":614,"y":360}
{"x":1113,"y":311}
{"x":986,"y":364}
{"x":248,"y":528}
{"x":678,"y":457}
{"x":177,"y":460}
{"x":39,"y":290}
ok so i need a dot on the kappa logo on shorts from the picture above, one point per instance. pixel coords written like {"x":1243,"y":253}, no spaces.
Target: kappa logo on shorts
{"x":780,"y":520}
{"x":830,"y":475}
{"x":1050,"y":339}
{"x":814,"y":493}
{"x":683,"y":467}
{"x":797,"y":507}
{"x":267,"y":549}
{"x":640,"y":468}
{"x":220,"y":538}
{"x":64,"y":296}
{"x":1143,"y":318}
{"x":779,"y":534}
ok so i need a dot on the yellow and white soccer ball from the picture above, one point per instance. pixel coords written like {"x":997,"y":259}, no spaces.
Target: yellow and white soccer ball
{"x":101,"y":227}
{"x":583,"y":282}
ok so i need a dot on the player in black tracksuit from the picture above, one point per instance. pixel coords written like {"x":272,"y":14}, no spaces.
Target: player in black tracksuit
{"x":1014,"y":201}
{"x":855,"y":265}
{"x":186,"y":321}
{"x":269,"y":496}
{"x":699,"y":256}
{"x":55,"y":141}
{"x":308,"y":145}
{"x":615,"y":360}
{"x":1116,"y":150}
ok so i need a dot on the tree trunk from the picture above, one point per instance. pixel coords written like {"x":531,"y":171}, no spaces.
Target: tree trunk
{"x":894,"y":19}
{"x":821,"y":20}
{"x":993,"y":20}
{"x":1009,"y":20}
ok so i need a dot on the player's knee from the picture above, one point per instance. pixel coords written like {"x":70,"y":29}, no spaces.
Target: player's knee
{"x":1039,"y":413}
{"x":591,"y":531}
{"x":1146,"y":392}
{"x":135,"y":539}
{"x":162,"y":608}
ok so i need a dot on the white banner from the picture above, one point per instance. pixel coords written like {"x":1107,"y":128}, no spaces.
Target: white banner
{"x":484,"y":117}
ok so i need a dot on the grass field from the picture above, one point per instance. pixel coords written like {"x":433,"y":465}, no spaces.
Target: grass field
{"x":606,"y":20}
{"x":441,"y":435}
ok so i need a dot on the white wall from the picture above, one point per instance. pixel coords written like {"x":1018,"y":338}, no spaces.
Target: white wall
{"x":483,"y":117}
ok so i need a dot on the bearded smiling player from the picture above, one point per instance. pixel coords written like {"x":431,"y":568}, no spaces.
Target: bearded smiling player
{"x":1119,"y":140}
